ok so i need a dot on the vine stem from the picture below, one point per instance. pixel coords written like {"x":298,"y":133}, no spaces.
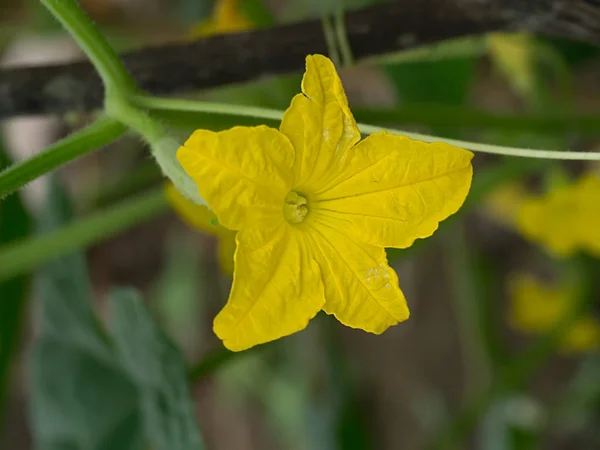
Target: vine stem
{"x":112,"y":72}
{"x":96,"y":135}
{"x":159,"y":103}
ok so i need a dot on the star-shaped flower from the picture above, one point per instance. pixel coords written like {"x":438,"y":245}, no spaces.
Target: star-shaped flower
{"x":314,"y":209}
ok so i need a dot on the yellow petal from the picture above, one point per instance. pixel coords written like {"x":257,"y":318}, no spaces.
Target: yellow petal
{"x":361,"y":289}
{"x":195,"y":216}
{"x":535,"y":307}
{"x":243,"y":173}
{"x":504,"y":203}
{"x":588,"y":192}
{"x":277,"y":288}
{"x":565,"y":220}
{"x":319,"y":124}
{"x":201,"y":218}
{"x":583,"y":337}
{"x":226,"y":18}
{"x":395,"y":189}
{"x":226,"y":251}
{"x":514,"y":56}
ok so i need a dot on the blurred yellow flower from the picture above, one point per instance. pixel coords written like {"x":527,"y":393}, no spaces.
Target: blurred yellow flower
{"x":226,"y":18}
{"x":504,"y":203}
{"x":537,"y":308}
{"x":566,"y":219}
{"x":314,"y":209}
{"x":202,"y":219}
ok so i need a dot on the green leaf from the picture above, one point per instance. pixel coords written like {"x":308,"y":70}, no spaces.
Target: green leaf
{"x":438,"y":82}
{"x":159,"y":372}
{"x":80,"y":397}
{"x":91,"y":393}
{"x":442,"y":82}
{"x":14,"y":224}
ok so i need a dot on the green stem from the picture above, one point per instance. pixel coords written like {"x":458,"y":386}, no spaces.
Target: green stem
{"x":98,"y":134}
{"x":163,"y":146}
{"x":241,"y":110}
{"x":217,"y":359}
{"x":24,"y":256}
{"x":468,"y":47}
{"x":467,"y":118}
{"x":114,"y":75}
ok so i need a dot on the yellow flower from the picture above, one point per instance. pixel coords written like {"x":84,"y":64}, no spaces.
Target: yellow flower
{"x":504,"y":202}
{"x":226,"y":18}
{"x":537,"y":308}
{"x":565,"y":220}
{"x":314,"y":209}
{"x":202,"y":219}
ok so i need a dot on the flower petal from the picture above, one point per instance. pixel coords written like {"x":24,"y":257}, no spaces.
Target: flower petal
{"x":395,"y":189}
{"x":361,"y":289}
{"x":226,"y":251}
{"x":277,"y":288}
{"x":195,"y":216}
{"x":243,"y":173}
{"x":319,"y":124}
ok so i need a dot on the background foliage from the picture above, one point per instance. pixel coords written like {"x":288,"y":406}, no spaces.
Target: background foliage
{"x":85,"y":366}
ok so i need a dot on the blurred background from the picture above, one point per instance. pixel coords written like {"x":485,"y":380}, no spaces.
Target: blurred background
{"x":484,"y":361}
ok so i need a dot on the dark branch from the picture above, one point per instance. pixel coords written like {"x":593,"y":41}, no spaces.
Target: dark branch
{"x":240,"y":57}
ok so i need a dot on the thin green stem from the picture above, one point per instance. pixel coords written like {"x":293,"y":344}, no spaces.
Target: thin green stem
{"x":240,"y":110}
{"x":330,"y":40}
{"x":163,"y":146}
{"x":342,"y":38}
{"x":98,"y":134}
{"x":217,"y":359}
{"x":468,"y":118}
{"x":24,"y":256}
{"x":114,"y":75}
{"x":451,"y":49}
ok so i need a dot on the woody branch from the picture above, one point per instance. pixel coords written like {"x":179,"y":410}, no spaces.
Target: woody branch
{"x":220,"y":60}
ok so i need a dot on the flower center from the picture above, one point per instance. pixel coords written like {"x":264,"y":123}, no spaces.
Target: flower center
{"x":295,"y":208}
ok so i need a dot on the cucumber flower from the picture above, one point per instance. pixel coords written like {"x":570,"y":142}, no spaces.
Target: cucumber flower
{"x":565,"y":220}
{"x":314,"y":209}
{"x":537,"y":308}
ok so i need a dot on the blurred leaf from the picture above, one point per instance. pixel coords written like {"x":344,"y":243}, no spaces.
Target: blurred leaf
{"x":511,"y":423}
{"x":573,"y":52}
{"x":257,"y":12}
{"x":159,"y":373}
{"x":85,"y":393}
{"x":193,"y":11}
{"x":177,"y":297}
{"x":443,"y":82}
{"x":14,"y":224}
{"x":80,"y":398}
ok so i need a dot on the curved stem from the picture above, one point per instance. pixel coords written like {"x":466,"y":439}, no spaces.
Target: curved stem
{"x":90,"y":40}
{"x":240,"y":110}
{"x":98,"y":134}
